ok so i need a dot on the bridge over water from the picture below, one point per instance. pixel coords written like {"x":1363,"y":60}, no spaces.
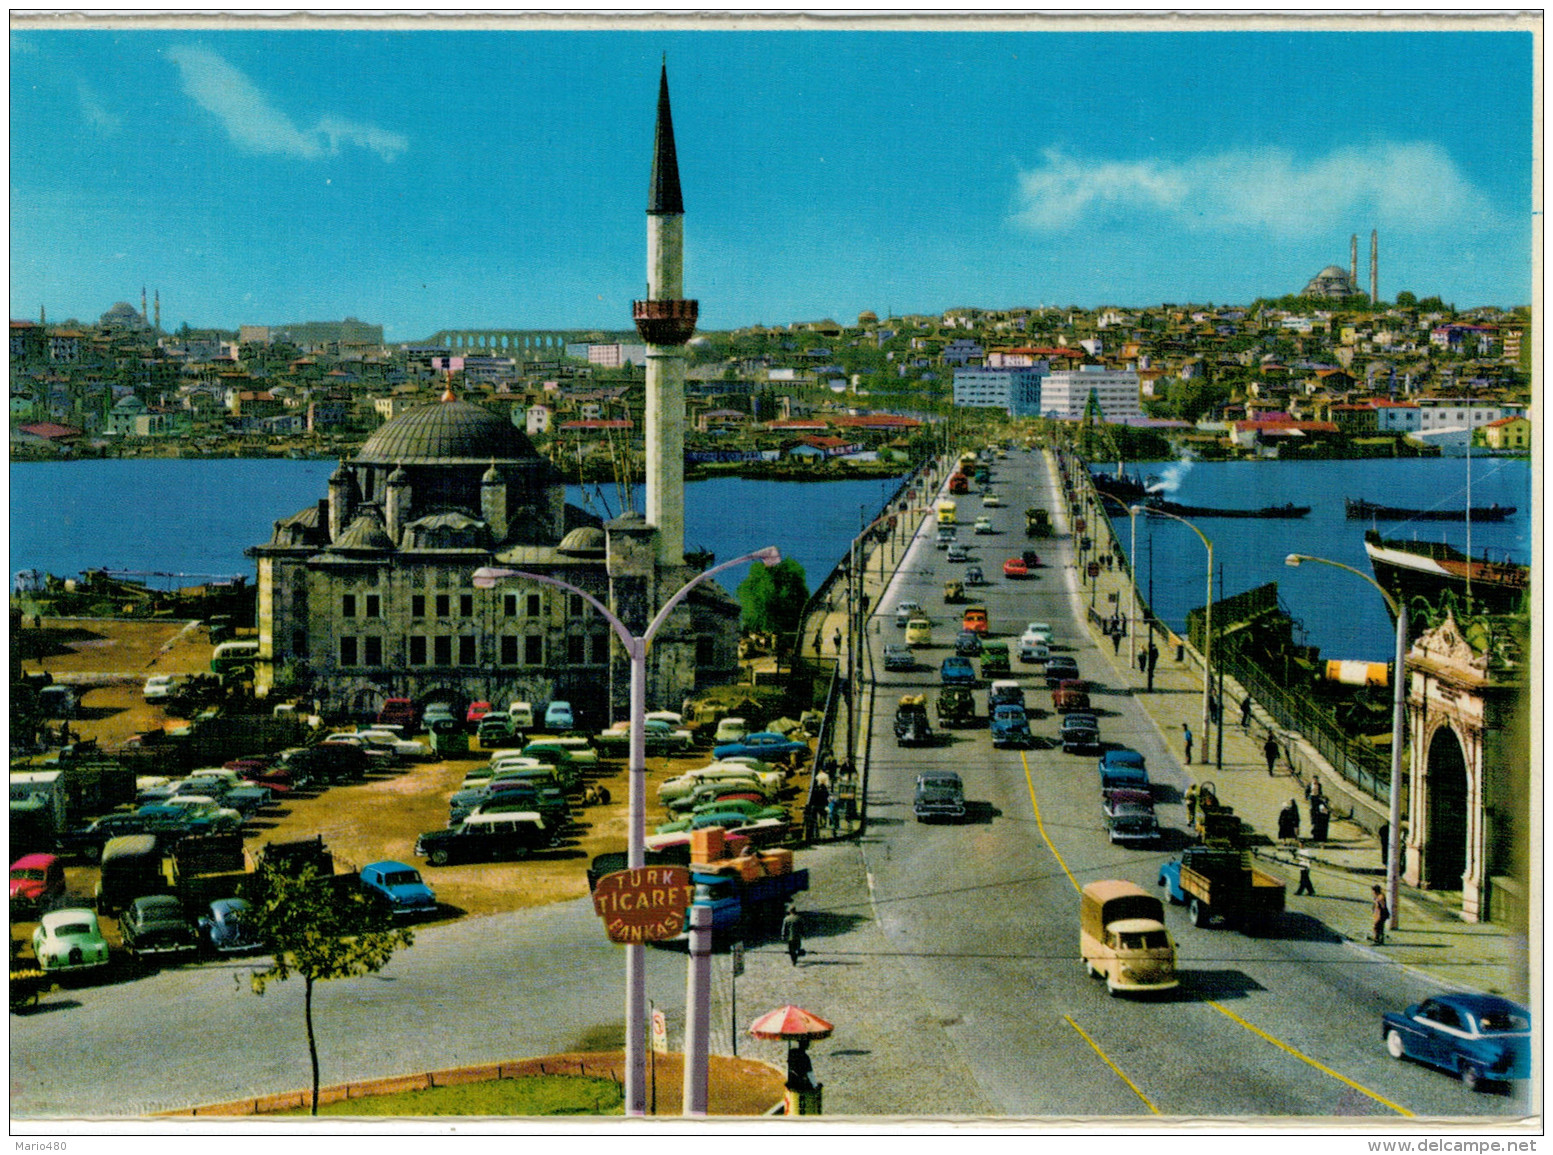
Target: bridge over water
{"x":525,"y":344}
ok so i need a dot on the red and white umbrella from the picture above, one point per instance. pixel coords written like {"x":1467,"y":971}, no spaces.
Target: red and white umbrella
{"x":791,"y":1022}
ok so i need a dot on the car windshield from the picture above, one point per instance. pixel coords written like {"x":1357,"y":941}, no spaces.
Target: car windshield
{"x":1502,"y":1022}
{"x":32,"y":873}
{"x":1144,"y":940}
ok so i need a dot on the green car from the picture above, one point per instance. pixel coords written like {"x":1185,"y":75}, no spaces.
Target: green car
{"x":994,"y":659}
{"x":69,"y":940}
{"x":730,"y":813}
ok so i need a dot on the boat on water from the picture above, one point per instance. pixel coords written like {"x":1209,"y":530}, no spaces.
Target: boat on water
{"x":1358,"y":510}
{"x":1118,"y":484}
{"x":1288,"y":509}
{"x":1408,"y":569}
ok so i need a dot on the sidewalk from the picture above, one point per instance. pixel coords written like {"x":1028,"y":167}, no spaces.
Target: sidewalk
{"x":1430,"y":938}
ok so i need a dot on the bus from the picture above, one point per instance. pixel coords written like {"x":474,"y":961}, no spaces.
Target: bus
{"x":230,"y":656}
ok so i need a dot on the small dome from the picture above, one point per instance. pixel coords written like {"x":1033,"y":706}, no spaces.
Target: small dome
{"x":365,"y":533}
{"x":1332,"y":271}
{"x":585,"y":541}
{"x":444,"y":433}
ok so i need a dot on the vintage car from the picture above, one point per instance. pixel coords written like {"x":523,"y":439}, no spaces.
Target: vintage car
{"x":154,"y":926}
{"x":898,"y":657}
{"x":407,"y":749}
{"x":991,"y":499}
{"x":957,"y":671}
{"x":725,"y":812}
{"x":227,"y":928}
{"x":767,"y":746}
{"x":1060,"y":668}
{"x":911,"y":724}
{"x":658,"y":735}
{"x":974,"y":619}
{"x":1015,"y":567}
{"x":398,"y":888}
{"x":558,"y":716}
{"x":548,"y":801}
{"x":967,"y":643}
{"x":1123,"y":768}
{"x":1010,"y":726}
{"x":974,"y":576}
{"x":730,"y":730}
{"x":486,"y":837}
{"x":37,"y":884}
{"x":1005,"y":692}
{"x":994,"y":659}
{"x":1481,"y":1039}
{"x":1033,"y":651}
{"x":1080,"y":732}
{"x":905,"y":611}
{"x":1129,"y":815}
{"x":69,"y":940}
{"x":159,"y":687}
{"x":1037,"y":632}
{"x":939,"y":794}
{"x":1069,"y":695}
{"x":956,"y":706}
{"x":675,"y":790}
{"x":477,"y":711}
{"x":982,"y":525}
{"x":958,"y":553}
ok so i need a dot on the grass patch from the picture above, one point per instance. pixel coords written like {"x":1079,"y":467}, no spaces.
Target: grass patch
{"x":535,"y":1095}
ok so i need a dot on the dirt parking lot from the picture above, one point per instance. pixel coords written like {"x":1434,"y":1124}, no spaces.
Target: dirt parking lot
{"x":377,"y":818}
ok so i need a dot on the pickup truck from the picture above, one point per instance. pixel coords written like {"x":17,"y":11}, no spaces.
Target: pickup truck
{"x":911,"y":724}
{"x":1222,"y":884}
{"x":744,"y":908}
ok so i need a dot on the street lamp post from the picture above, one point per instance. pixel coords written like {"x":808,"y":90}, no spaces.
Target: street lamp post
{"x":636,"y":648}
{"x":1132,"y":578}
{"x":1207,"y":645}
{"x":1398,"y":725}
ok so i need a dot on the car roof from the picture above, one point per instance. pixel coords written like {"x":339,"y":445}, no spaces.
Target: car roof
{"x":928,"y":776}
{"x":28,"y":861}
{"x":1122,"y":757}
{"x":387,"y":864}
{"x":1480,"y":1004}
{"x":69,"y":914}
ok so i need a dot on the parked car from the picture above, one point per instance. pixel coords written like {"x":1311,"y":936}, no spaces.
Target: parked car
{"x":1480,"y":1039}
{"x":1129,"y":815}
{"x":227,"y":928}
{"x":494,"y":730}
{"x":378,"y":754}
{"x":1123,"y":768}
{"x":393,"y":739}
{"x":905,"y":611}
{"x":1004,"y":692}
{"x":939,"y":794}
{"x":154,"y":926}
{"x":898,"y":657}
{"x":558,"y":716}
{"x":69,"y":940}
{"x":247,"y":799}
{"x":438,"y":713}
{"x":730,"y":730}
{"x":399,"y":888}
{"x":1015,"y":568}
{"x":159,"y":687}
{"x":87,"y":842}
{"x":957,"y":671}
{"x":477,"y":710}
{"x":982,"y":525}
{"x":967,"y":643}
{"x":327,"y":762}
{"x":1080,"y":732}
{"x":1010,"y":726}
{"x":400,"y":712}
{"x":1060,"y":668}
{"x":37,"y":884}
{"x":487,"y":837}
{"x":767,"y":746}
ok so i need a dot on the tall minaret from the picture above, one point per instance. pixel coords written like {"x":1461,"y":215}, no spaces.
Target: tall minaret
{"x":145,"y":315}
{"x":1374,"y":265}
{"x":158,"y":307}
{"x":1353,"y":260}
{"x":666,"y":322}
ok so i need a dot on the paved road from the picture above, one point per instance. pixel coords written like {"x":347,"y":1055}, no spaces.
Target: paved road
{"x":983,"y":915}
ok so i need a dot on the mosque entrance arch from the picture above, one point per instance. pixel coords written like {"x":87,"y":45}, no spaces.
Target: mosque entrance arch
{"x":1445,"y":842}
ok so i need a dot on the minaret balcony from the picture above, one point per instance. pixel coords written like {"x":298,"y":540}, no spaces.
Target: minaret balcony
{"x":665,"y":322}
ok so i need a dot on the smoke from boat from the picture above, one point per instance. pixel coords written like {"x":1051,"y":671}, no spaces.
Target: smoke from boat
{"x":1169,"y":479}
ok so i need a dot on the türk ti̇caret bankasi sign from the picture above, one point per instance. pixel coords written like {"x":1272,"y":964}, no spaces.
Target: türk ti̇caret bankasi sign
{"x":643,"y":905}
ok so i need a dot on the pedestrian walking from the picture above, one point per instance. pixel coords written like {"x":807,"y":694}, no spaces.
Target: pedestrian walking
{"x":1320,"y":818}
{"x":1153,"y":657}
{"x":1116,"y":641}
{"x":835,"y":639}
{"x":833,"y":815}
{"x":1143,"y":661}
{"x":818,"y":640}
{"x":1270,"y":752}
{"x":1305,"y":886}
{"x":1186,"y":736}
{"x":1289,"y":821}
{"x":1191,"y":805}
{"x":1384,"y":834}
{"x":792,"y":934}
{"x":1380,"y":912}
{"x":1245,"y":712}
{"x":1213,"y":709}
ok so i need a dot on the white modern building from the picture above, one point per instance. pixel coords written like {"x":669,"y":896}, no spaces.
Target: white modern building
{"x":1064,"y":394}
{"x":1435,"y":413}
{"x":1017,"y":391}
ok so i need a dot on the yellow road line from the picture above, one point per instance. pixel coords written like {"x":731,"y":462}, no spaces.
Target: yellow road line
{"x":1041,"y":826}
{"x":1325,"y":1070}
{"x":1083,"y":1034}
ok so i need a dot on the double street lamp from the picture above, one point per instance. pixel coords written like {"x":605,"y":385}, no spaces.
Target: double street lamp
{"x":1398,"y":725}
{"x":636,"y":648}
{"x":1207,"y":645}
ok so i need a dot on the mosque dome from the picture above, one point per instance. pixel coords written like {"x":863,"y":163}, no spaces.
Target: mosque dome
{"x":584,"y":541}
{"x":446,"y":433}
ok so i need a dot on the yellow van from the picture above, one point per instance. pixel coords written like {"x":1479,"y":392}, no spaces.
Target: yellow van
{"x":1122,"y":938}
{"x":946,"y":510}
{"x":919,"y":632}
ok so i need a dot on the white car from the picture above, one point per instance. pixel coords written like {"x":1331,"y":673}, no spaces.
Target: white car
{"x":1032,"y":651}
{"x":983,"y":525}
{"x":378,"y":751}
{"x":404,"y":747}
{"x":991,"y":499}
{"x":905,"y":611}
{"x":159,"y":687}
{"x":1038,"y":632}
{"x":730,"y":730}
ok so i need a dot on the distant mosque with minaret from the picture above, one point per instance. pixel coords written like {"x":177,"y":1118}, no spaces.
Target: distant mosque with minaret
{"x":369,"y":593}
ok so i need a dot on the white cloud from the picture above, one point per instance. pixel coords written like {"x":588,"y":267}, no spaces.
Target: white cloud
{"x":92,"y":108}
{"x":1398,"y":186}
{"x":255,"y":124}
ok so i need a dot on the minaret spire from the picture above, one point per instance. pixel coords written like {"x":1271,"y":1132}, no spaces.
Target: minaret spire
{"x":663,"y":194}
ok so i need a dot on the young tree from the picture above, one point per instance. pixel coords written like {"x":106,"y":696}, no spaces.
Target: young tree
{"x":319,"y":931}
{"x":773,"y":599}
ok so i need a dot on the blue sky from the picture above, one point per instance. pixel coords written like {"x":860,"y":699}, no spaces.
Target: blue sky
{"x":426,"y":179}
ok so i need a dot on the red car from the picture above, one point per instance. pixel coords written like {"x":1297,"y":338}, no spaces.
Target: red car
{"x":1015,"y":567}
{"x":37,"y":883}
{"x":477,"y":710}
{"x":1069,"y":695}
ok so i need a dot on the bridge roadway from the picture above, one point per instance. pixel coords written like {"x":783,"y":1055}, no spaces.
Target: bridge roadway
{"x":946,"y":954}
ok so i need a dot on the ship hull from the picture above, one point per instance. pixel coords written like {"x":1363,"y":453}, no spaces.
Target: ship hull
{"x":1409,"y":569}
{"x":1358,"y":509}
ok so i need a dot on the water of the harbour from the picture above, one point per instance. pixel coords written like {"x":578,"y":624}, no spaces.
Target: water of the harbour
{"x":196,"y":517}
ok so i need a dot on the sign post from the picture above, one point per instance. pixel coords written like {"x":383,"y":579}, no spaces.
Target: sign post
{"x":736,"y":958}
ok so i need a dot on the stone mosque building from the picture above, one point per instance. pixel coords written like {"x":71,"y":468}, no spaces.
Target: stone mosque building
{"x":371,"y":591}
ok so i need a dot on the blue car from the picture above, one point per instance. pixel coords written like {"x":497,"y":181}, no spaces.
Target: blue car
{"x":227,"y":928}
{"x":766,"y":746}
{"x":957,"y":671}
{"x":1478,"y":1038}
{"x":1123,"y":769}
{"x":558,"y":716}
{"x":1010,"y":726}
{"x":399,"y":888}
